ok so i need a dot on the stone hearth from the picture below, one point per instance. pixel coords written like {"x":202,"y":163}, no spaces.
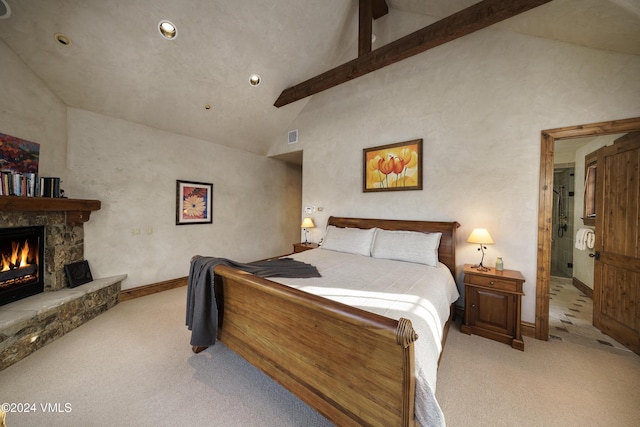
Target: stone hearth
{"x":28,"y":324}
{"x":31,"y":323}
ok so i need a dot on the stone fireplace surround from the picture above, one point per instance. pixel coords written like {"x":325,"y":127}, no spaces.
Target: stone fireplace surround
{"x":29,"y":324}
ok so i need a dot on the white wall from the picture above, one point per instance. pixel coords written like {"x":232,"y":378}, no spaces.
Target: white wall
{"x":133,"y":170}
{"x":480,"y":104}
{"x":29,"y":110}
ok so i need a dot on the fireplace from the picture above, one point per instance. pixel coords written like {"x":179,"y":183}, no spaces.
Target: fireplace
{"x":21,"y":262}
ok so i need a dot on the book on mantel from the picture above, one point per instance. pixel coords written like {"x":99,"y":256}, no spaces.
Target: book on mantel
{"x":50,"y":187}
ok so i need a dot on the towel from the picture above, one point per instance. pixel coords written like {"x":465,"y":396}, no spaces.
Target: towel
{"x":580,"y":239}
{"x":585,"y":238}
{"x":590,"y":239}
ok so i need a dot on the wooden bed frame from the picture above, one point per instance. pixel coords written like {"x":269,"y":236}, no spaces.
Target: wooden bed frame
{"x":354,"y":367}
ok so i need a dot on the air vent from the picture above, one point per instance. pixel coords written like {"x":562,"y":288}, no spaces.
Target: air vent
{"x":5,"y":10}
{"x":293,"y":136}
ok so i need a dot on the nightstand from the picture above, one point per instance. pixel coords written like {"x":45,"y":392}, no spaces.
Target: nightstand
{"x":301,"y":247}
{"x":492,"y":305}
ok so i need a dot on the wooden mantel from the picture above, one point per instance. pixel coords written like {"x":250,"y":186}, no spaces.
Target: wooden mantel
{"x":77,"y":210}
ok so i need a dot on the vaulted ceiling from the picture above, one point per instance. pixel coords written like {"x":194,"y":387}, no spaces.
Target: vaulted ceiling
{"x":117,"y":63}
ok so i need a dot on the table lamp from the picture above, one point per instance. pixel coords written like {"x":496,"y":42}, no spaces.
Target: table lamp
{"x":307,"y":223}
{"x":482,"y":237}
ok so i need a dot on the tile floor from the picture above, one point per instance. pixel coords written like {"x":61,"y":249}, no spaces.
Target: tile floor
{"x":571,"y":315}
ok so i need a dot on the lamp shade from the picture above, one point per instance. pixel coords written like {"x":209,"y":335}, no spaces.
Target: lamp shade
{"x":480,"y":236}
{"x":307,"y":223}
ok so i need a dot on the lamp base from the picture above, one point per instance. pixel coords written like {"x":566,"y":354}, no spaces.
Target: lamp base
{"x":480,"y":267}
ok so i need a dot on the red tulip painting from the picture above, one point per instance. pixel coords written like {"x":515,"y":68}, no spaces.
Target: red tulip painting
{"x":193,"y":202}
{"x":393,"y":167}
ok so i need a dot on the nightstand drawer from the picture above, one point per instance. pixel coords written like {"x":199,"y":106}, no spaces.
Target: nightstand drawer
{"x":491,"y":282}
{"x":301,"y":247}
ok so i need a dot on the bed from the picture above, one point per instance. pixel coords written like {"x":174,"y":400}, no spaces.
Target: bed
{"x":351,"y":356}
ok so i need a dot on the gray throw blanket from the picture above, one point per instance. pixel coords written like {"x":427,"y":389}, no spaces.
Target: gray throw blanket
{"x":202,"y":311}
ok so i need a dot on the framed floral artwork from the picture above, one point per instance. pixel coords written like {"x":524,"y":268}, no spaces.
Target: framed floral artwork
{"x":193,"y":202}
{"x":393,"y":167}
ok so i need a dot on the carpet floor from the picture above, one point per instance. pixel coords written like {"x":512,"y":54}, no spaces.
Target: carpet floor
{"x":133,"y":366}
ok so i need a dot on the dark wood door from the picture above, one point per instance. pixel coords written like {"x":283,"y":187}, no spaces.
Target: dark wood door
{"x":617,"y":267}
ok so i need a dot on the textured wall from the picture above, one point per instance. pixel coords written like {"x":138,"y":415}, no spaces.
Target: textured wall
{"x":480,"y":104}
{"x":133,"y":170}
{"x":29,"y":110}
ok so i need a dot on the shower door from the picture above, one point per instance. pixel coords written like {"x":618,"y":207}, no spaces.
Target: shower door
{"x":562,"y":222}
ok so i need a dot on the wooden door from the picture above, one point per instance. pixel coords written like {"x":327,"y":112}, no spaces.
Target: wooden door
{"x":617,"y":245}
{"x":493,"y":311}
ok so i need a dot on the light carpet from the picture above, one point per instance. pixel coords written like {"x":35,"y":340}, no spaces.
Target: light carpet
{"x":133,"y":366}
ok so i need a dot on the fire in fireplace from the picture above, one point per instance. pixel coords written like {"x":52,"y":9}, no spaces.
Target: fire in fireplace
{"x":21,"y":263}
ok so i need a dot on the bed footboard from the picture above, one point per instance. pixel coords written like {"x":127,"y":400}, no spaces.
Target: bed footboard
{"x":354,"y":367}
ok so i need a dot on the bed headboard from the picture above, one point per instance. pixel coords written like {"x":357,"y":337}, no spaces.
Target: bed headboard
{"x":446,"y":251}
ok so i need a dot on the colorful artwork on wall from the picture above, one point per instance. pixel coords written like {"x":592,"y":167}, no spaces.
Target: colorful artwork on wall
{"x":19,"y":155}
{"x":193,"y":202}
{"x":393,"y":167}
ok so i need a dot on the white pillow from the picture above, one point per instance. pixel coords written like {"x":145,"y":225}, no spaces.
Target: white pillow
{"x":410,"y":246}
{"x":351,"y":240}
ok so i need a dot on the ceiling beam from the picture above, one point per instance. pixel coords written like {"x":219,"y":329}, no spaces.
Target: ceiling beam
{"x":365,"y":27}
{"x":469,"y":20}
{"x":368,"y":11}
{"x":379,"y":8}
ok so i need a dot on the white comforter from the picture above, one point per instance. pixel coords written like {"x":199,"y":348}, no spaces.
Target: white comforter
{"x":393,"y":289}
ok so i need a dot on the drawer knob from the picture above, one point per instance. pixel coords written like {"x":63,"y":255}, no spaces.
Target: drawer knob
{"x":492,"y":282}
{"x":473,"y":306}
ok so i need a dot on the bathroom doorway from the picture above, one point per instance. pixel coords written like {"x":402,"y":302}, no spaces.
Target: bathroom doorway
{"x":545,"y":214}
{"x":562,"y":221}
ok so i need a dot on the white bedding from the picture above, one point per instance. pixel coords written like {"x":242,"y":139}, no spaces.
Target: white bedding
{"x":393,"y":289}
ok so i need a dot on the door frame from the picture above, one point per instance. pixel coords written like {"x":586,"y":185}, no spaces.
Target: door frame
{"x":545,"y":204}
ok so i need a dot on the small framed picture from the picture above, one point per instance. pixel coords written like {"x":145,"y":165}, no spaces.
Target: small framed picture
{"x":194,"y":201}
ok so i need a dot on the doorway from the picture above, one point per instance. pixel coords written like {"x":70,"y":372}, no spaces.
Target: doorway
{"x":562,"y":221}
{"x":546,"y":200}
{"x":571,"y":305}
{"x":291,"y":208}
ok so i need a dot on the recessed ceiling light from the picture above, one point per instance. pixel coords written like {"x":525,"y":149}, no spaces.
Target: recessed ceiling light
{"x":5,"y":10}
{"x":62,"y":39}
{"x":254,"y":80}
{"x":167,"y":30}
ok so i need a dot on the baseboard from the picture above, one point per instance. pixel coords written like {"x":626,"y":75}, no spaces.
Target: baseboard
{"x":528,"y":329}
{"x":153,"y":288}
{"x":583,"y":288}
